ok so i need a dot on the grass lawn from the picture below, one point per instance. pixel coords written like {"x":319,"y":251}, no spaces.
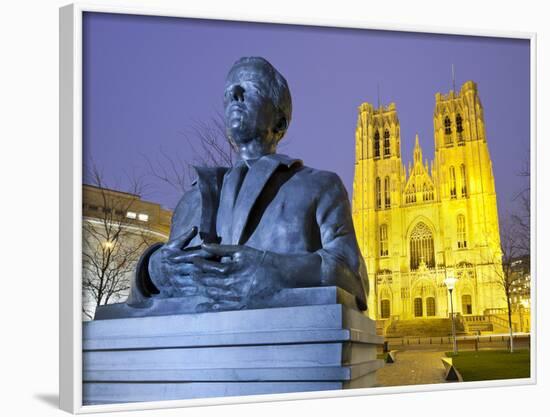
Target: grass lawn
{"x":492,"y":364}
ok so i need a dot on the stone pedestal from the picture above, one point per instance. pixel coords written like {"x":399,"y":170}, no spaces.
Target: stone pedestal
{"x":320,"y":343}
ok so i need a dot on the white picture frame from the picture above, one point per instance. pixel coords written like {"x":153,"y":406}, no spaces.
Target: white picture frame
{"x":70,"y":261}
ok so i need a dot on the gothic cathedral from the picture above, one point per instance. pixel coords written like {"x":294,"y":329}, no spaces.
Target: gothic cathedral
{"x":416,"y":226}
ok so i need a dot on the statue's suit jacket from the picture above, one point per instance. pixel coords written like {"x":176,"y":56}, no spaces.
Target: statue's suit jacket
{"x":279,"y":205}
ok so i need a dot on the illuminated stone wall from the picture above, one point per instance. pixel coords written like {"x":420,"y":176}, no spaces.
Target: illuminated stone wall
{"x":418,"y":224}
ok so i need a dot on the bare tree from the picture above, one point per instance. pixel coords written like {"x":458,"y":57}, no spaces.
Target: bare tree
{"x":522,"y":218}
{"x":208,"y":146}
{"x":209,"y":143}
{"x":507,"y":277}
{"x":111,"y":243}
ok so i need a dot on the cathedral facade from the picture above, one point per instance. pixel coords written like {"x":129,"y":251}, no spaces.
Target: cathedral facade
{"x":420,"y":224}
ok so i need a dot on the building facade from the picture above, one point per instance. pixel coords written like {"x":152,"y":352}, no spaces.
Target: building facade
{"x":520,"y":288}
{"x":420,"y":224}
{"x":117,"y":227}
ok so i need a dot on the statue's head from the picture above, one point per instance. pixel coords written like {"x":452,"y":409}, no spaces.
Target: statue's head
{"x":258,"y":107}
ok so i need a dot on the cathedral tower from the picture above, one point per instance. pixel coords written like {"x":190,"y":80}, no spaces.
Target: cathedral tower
{"x":467,"y":188}
{"x":377,"y":187}
{"x":416,"y":226}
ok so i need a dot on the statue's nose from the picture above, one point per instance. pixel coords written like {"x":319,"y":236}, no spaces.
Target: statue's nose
{"x":237,"y":93}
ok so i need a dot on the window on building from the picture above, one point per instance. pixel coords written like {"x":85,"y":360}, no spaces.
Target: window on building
{"x":463,"y":187}
{"x":385,"y":309}
{"x":447,"y":125}
{"x":430,"y":306}
{"x":466,"y":304}
{"x":411,"y":195}
{"x":386,"y":143}
{"x":427,"y":192}
{"x":422,"y":247}
{"x":92,"y":207}
{"x":418,"y":307}
{"x":387,"y":192}
{"x":143,"y":217}
{"x":377,"y":144}
{"x":461,"y":231}
{"x":452,"y":181}
{"x":459,"y":129}
{"x":378,"y":193}
{"x":131,"y":215}
{"x":384,"y":240}
{"x":448,"y":137}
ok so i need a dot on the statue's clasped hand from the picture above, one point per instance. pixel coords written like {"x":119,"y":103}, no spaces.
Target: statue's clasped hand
{"x":229,"y":276}
{"x":234,"y":274}
{"x":178,"y":273}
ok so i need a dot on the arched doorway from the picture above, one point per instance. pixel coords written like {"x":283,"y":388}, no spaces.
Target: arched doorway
{"x":467,"y":304}
{"x":418,"y":311}
{"x":430,"y":306}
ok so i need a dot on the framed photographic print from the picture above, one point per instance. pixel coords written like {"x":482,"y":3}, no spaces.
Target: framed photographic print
{"x":266,"y":210}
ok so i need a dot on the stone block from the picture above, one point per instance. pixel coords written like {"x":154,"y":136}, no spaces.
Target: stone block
{"x":326,"y":345}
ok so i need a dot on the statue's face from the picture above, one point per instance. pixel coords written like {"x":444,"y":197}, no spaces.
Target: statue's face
{"x":250,"y":115}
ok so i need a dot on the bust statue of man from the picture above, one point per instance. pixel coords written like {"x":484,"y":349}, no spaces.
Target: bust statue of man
{"x":265,"y":224}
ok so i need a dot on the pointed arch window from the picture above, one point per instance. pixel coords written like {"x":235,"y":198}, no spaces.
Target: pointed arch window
{"x":410,"y":196}
{"x":463,"y":187}
{"x":377,"y":144}
{"x":387,"y":192}
{"x":378,"y":193}
{"x":421,"y":247}
{"x":461,"y":231}
{"x":452,"y":181}
{"x":427,"y":192}
{"x":385,"y":309}
{"x":459,"y":129}
{"x":447,"y":125}
{"x":384,"y":240}
{"x":386,"y":143}
{"x":448,"y":138}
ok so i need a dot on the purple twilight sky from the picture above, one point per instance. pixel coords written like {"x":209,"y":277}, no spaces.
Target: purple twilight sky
{"x":148,"y":79}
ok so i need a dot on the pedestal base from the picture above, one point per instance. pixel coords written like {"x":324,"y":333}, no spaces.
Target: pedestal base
{"x":271,"y":350}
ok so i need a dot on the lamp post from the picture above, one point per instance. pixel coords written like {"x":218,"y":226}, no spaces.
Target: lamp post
{"x":450,"y":282}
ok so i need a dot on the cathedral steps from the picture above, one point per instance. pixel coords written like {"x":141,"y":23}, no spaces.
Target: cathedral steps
{"x":423,"y":328}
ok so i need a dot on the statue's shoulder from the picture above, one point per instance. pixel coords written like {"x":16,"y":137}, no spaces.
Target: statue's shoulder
{"x":322,"y":184}
{"x":307,"y":173}
{"x":319,"y":177}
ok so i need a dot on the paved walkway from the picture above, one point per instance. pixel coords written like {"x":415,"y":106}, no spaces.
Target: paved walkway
{"x":413,"y":368}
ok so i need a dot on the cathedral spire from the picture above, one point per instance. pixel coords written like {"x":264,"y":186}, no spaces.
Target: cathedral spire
{"x":417,"y":151}
{"x":453,"y":77}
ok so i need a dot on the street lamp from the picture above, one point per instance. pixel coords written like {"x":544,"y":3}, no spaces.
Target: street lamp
{"x":108,"y":245}
{"x":450,"y":282}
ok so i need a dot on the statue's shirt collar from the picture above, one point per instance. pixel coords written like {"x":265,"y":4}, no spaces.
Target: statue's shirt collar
{"x":279,"y":159}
